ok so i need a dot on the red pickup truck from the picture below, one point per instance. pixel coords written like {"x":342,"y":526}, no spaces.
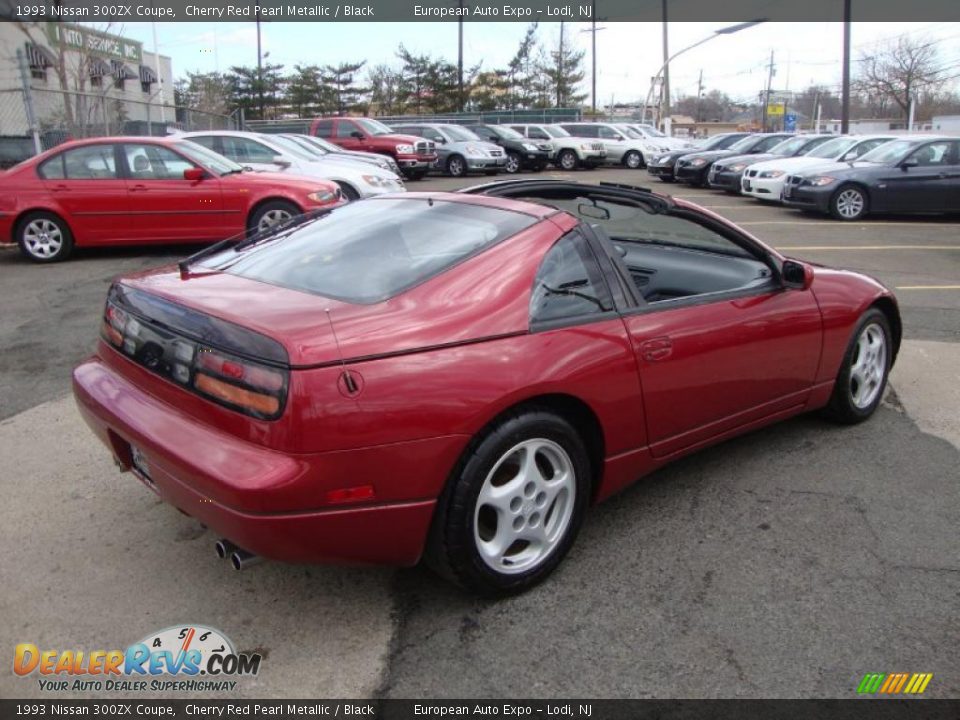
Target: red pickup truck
{"x":414,"y":155}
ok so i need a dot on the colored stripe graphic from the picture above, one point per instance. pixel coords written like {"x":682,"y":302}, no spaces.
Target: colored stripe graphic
{"x":894,"y":683}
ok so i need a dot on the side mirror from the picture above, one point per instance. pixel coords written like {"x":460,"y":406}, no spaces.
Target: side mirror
{"x":796,"y":275}
{"x":909,"y":163}
{"x":849,"y":157}
{"x":194,"y":174}
{"x":281,"y":162}
{"x":357,"y":134}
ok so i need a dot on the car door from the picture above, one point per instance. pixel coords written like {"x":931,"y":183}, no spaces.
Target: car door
{"x":949,"y":184}
{"x":242,"y":150}
{"x":346,"y":136}
{"x":614,"y":141}
{"x":86,"y":183}
{"x":916,"y":184}
{"x":163,"y":204}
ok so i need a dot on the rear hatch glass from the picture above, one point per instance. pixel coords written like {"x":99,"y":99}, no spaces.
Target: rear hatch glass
{"x":369,"y":251}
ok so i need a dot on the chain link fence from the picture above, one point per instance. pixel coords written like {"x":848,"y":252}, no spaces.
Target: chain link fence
{"x":66,"y":115}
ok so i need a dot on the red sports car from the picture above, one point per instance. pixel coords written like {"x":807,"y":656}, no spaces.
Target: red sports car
{"x":458,"y":376}
{"x":139,"y":190}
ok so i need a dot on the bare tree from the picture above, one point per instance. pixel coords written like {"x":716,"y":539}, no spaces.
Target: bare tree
{"x":898,"y":71}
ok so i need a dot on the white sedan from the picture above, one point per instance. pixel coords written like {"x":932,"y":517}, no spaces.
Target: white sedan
{"x":275,"y":153}
{"x":765,"y":180}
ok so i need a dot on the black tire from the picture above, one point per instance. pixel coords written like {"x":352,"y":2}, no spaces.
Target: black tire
{"x":415,"y":174}
{"x":567,"y":160}
{"x":634,"y":160}
{"x":44,"y":237}
{"x":514,"y":163}
{"x":843,"y":406}
{"x":278,"y":210}
{"x":453,"y":545}
{"x":849,"y":203}
{"x":456,"y":166}
{"x":348,"y":191}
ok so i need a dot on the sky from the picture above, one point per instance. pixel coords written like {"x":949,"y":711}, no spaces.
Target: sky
{"x":628,"y":54}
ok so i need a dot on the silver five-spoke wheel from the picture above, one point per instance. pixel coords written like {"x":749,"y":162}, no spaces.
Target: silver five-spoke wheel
{"x":42,"y":238}
{"x":850,"y":204}
{"x":524,"y":506}
{"x":273,"y":217}
{"x":869,"y":366}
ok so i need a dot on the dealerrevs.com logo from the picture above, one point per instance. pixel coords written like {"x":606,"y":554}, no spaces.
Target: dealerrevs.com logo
{"x":179,"y":658}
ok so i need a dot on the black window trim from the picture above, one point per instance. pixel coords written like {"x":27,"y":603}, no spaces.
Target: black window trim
{"x":62,"y":156}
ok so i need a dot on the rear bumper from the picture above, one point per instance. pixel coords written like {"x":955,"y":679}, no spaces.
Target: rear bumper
{"x":218,"y":479}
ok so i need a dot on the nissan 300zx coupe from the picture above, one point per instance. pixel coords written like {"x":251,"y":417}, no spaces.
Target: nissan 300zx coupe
{"x":458,"y":377}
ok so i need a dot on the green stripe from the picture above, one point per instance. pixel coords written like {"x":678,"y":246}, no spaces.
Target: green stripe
{"x":871,"y":683}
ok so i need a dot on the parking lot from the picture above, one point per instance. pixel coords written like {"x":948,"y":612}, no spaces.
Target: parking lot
{"x":786,"y":563}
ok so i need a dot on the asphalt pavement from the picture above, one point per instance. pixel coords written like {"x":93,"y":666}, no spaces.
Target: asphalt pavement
{"x":786,"y":563}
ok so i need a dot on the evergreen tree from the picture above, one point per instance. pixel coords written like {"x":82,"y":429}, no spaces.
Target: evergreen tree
{"x":564,"y":71}
{"x":341,"y":79}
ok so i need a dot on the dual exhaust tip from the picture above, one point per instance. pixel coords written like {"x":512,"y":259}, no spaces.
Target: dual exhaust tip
{"x":239,"y":558}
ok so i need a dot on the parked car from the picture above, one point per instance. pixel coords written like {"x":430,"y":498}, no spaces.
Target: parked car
{"x":764,"y":180}
{"x":384,"y":162}
{"x":567,"y":152}
{"x":279,"y":154}
{"x":659,"y":139}
{"x":623,"y":145}
{"x":725,"y":174}
{"x":415,"y":155}
{"x":467,"y":395}
{"x":522,"y":154}
{"x":459,"y":151}
{"x":662,"y":166}
{"x":695,"y":167}
{"x":909,"y":175}
{"x":143,"y":190}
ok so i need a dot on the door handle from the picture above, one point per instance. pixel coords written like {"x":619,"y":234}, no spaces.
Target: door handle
{"x":60,"y":188}
{"x":138,"y":188}
{"x":656,"y":349}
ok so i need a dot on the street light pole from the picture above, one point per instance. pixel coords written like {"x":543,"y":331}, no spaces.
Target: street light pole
{"x":665,"y":86}
{"x":722,"y":31}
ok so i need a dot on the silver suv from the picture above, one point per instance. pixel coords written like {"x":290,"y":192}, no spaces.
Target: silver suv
{"x":624,"y":145}
{"x":567,"y":151}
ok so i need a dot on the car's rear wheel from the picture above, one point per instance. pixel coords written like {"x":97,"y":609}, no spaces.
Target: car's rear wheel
{"x":513,"y":163}
{"x":44,"y":237}
{"x":863,"y":373}
{"x":456,"y":166}
{"x":270,"y":214}
{"x":633,"y":160}
{"x":568,"y":160}
{"x":849,"y":203}
{"x":514,"y":506}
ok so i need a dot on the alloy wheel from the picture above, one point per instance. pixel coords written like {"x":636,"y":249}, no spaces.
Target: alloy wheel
{"x":525,"y":506}
{"x":42,"y":238}
{"x":455,"y":167}
{"x":568,"y":160}
{"x":850,"y":203}
{"x":513,"y":163}
{"x":273,"y":217}
{"x":868,"y":366}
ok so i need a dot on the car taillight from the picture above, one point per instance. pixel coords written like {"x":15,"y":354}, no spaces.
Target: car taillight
{"x":242,"y":384}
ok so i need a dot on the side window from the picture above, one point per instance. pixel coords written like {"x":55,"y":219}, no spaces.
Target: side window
{"x":522,"y":130}
{"x":324,"y":129}
{"x":243,"y":150}
{"x":569,"y":283}
{"x":52,"y":169}
{"x":767,"y":143}
{"x":937,"y":153}
{"x":153,"y":162}
{"x":345,"y":129}
{"x":589,"y":131}
{"x":431,"y":134}
{"x":91,"y":162}
{"x":208,"y":141}
{"x":609,"y":134}
{"x":537,"y":134}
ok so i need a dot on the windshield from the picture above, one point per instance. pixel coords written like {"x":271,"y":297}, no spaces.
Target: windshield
{"x":506,"y":132}
{"x":629,"y":132}
{"x":790,"y":147}
{"x":325,"y":145}
{"x":411,"y":239}
{"x":833,"y":149}
{"x":889,"y":153}
{"x":290,"y":146}
{"x":557,"y":132}
{"x":745,"y":144}
{"x":305,"y":145}
{"x":652,"y":132}
{"x":373,"y":127}
{"x":459,"y":134}
{"x":208,"y":158}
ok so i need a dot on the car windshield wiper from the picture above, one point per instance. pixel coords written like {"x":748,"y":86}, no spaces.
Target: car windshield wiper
{"x":234,"y":172}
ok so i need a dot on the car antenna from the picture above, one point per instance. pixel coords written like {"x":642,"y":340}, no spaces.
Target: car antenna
{"x":348,"y":381}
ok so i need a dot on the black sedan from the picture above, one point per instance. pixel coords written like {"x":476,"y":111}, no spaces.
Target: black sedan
{"x":694,"y":168}
{"x":912,"y":175}
{"x":662,"y":166}
{"x":726,"y":174}
{"x":521,"y":152}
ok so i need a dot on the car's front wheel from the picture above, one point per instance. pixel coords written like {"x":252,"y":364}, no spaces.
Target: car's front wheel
{"x":44,"y":237}
{"x":633,"y":160}
{"x":270,"y":214}
{"x":568,"y":160}
{"x":513,"y":163}
{"x":456,"y":166}
{"x":849,"y":203}
{"x":514,"y":505}
{"x":863,"y":374}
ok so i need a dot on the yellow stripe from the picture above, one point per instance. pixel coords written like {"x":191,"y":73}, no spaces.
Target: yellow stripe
{"x":914,"y":681}
{"x":926,"y":681}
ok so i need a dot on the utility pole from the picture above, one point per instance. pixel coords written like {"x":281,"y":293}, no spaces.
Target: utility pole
{"x":845,"y":103}
{"x":766,"y":95}
{"x":28,"y":100}
{"x":460,"y":58}
{"x":816,"y":111}
{"x":560,"y":67}
{"x":665,"y":87}
{"x":259,"y":63}
{"x":593,"y":31}
{"x":699,"y":94}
